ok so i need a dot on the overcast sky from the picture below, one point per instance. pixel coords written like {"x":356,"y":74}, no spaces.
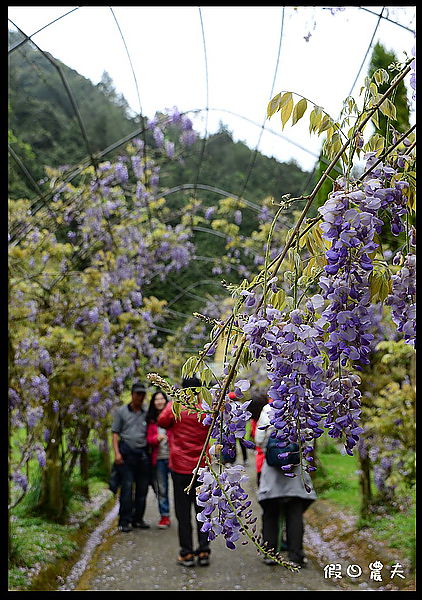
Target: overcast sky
{"x":229,"y":58}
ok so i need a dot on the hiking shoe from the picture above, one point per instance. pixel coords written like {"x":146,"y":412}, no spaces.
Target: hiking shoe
{"x":203,"y":559}
{"x":125,"y":528}
{"x":164,"y":522}
{"x":299,"y":563}
{"x":186,"y":561}
{"x":140,"y":525}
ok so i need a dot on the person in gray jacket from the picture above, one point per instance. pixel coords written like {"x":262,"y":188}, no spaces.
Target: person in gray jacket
{"x":129,"y":429}
{"x":280,"y":496}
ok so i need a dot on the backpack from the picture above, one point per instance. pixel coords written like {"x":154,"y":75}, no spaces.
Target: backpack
{"x":273,"y":450}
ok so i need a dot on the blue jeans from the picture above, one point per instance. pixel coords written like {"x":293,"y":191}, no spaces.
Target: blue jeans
{"x":162,"y":486}
{"x":135,"y":473}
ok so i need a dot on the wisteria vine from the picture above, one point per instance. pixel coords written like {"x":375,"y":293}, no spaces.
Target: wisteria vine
{"x":314,"y":352}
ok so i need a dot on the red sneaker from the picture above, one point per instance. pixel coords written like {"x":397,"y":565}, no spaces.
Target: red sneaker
{"x":164,"y":522}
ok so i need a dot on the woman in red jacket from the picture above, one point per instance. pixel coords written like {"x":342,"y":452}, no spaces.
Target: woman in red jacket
{"x":186,"y":440}
{"x":157,"y":442}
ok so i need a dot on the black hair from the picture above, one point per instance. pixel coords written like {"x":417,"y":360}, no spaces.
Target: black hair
{"x":256,"y":405}
{"x":188,"y":382}
{"x":153,"y":413}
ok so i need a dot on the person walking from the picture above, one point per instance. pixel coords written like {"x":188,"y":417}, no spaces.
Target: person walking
{"x":255,"y":408}
{"x":281,"y":496}
{"x":157,"y":442}
{"x":186,"y":440}
{"x":129,"y":430}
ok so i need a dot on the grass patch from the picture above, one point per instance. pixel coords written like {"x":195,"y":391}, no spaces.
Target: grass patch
{"x":399,"y":531}
{"x":37,"y":544}
{"x":337,"y":479}
{"x":397,"y":528}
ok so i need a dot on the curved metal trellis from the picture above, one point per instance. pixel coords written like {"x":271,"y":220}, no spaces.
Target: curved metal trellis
{"x":253,"y":160}
{"x":92,"y":159}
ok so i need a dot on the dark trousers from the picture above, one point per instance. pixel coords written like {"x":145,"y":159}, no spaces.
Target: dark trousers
{"x":135,"y":476}
{"x":292,"y":509}
{"x":183,"y":508}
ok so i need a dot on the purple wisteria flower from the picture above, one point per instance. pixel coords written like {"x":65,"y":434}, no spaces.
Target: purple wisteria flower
{"x":137,"y":166}
{"x":250,"y":299}
{"x":34,"y":415}
{"x":230,"y":424}
{"x":169,"y":148}
{"x":241,"y":386}
{"x":403,"y":299}
{"x":20,"y":480}
{"x":158,"y":136}
{"x":121,"y":172}
{"x":188,"y":137}
{"x":225,"y":502}
{"x":413,"y":73}
{"x":345,"y":284}
{"x":209,"y":212}
{"x":41,"y":456}
{"x":295,"y":368}
{"x":237,"y":217}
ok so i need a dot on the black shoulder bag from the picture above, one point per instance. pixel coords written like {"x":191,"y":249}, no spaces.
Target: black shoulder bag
{"x":273,"y":452}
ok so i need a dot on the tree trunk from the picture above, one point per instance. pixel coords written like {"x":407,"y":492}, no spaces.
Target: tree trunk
{"x":83,"y":461}
{"x":105,"y":456}
{"x":365,"y":485}
{"x":52,"y":503}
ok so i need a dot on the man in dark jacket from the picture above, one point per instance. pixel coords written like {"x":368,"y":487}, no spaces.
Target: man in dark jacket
{"x":186,"y":441}
{"x":130,"y":455}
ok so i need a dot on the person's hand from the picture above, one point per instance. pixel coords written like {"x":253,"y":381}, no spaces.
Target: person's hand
{"x":161,"y":436}
{"x":118,"y":459}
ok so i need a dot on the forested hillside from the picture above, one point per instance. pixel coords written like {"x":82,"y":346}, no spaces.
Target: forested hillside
{"x":45,"y":130}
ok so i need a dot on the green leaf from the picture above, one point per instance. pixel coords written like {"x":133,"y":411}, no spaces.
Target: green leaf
{"x":245,"y":357}
{"x":374,"y":284}
{"x":278,"y":299}
{"x":380,"y":284}
{"x":388,"y":109}
{"x":411,"y":203}
{"x":273,"y":105}
{"x":189,"y":367}
{"x":386,"y":287}
{"x":299,"y":110}
{"x":315,"y":119}
{"x":206,"y":375}
{"x":176,"y":409}
{"x":326,"y":123}
{"x":373,"y":90}
{"x":375,"y":144}
{"x":286,"y":107}
{"x":381,"y":76}
{"x":206,"y":395}
{"x":375,"y":119}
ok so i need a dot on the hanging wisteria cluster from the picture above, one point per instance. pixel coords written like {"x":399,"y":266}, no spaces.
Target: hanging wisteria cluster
{"x":230,"y":424}
{"x":225,"y":503}
{"x":403,"y":299}
{"x":314,"y":345}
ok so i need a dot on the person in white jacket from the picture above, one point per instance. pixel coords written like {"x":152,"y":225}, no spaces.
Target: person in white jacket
{"x":279,"y":496}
